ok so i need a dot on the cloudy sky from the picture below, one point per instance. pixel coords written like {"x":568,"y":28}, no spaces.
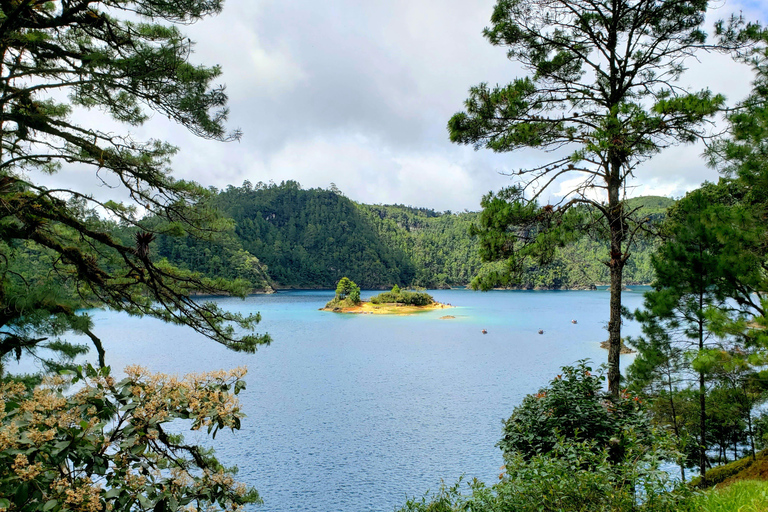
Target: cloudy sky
{"x":359,"y":94}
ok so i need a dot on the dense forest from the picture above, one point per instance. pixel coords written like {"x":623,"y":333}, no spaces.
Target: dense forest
{"x":312,"y":238}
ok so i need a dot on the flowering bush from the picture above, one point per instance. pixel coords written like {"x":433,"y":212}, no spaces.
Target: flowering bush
{"x":103,"y":446}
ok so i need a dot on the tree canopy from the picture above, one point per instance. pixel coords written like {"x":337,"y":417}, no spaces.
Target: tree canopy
{"x":110,"y":447}
{"x":102,"y":444}
{"x":703,"y":347}
{"x":602,"y":97}
{"x":127,"y":60}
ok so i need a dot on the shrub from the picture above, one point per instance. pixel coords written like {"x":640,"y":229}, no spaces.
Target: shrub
{"x":575,"y":407}
{"x":408,"y":298}
{"x":571,"y":447}
{"x":347,"y":295}
{"x":104,"y":446}
{"x":346,"y":289}
{"x":573,"y":476}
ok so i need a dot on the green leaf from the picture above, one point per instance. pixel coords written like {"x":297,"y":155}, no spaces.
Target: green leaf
{"x":112,"y":493}
{"x":22,"y":493}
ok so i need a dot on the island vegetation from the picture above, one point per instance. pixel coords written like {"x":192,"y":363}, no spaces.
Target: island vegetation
{"x":393,"y":302}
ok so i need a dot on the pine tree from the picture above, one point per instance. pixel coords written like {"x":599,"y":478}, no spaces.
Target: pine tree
{"x":601,"y":95}
{"x":127,"y":59}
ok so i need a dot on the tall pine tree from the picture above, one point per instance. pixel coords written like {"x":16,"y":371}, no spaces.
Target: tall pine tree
{"x":602,"y":97}
{"x":127,"y":59}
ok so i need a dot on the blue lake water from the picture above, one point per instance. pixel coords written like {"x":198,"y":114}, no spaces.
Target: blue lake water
{"x":356,"y":412}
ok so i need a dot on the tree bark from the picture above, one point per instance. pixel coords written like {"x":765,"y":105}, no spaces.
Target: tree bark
{"x":675,"y":426}
{"x":702,"y":388}
{"x":614,"y":332}
{"x":616,"y":265}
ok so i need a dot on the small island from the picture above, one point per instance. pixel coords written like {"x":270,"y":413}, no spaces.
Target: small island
{"x":393,"y":302}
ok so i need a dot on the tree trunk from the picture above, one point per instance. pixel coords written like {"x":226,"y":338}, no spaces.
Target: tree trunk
{"x":614,"y":332}
{"x":702,"y":396}
{"x":702,"y":426}
{"x":751,"y":434}
{"x":616,"y":266}
{"x":675,"y":426}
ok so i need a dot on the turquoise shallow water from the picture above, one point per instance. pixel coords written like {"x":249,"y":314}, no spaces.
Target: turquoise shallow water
{"x":356,"y":412}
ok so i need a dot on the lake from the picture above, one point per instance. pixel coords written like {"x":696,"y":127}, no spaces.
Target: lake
{"x":356,"y":412}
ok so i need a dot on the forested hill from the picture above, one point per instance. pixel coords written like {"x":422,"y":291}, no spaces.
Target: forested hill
{"x":437,"y":244}
{"x":312,"y":238}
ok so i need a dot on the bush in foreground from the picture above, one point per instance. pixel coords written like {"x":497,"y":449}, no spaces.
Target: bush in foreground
{"x":103,"y":447}
{"x":573,"y":476}
{"x":575,"y":407}
{"x":572,"y":447}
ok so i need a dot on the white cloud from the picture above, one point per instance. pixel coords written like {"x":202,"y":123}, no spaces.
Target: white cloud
{"x":359,"y":94}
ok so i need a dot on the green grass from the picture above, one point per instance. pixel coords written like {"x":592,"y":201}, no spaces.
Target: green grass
{"x":743,"y":496}
{"x":720,"y":473}
{"x":743,"y":469}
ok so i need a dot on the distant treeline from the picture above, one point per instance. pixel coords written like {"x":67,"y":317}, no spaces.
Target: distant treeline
{"x":294,"y":238}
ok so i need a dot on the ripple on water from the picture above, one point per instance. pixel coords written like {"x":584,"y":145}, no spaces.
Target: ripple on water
{"x":356,"y":412}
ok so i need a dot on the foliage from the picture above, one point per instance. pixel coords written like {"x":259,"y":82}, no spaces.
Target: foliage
{"x":709,"y":285}
{"x":311,"y":238}
{"x":761,"y":430}
{"x":347,"y":289}
{"x":398,"y":296}
{"x":347,"y":295}
{"x":576,"y":261}
{"x":601,"y":95}
{"x":575,"y":408}
{"x":104,"y":445}
{"x":562,"y":468}
{"x":745,"y":496}
{"x":438,"y":245}
{"x":128,"y":60}
{"x":742,"y":152}
{"x":581,"y":476}
{"x":223,"y":258}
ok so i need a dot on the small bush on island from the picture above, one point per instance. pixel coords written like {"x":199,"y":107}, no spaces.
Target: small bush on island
{"x":408,"y":298}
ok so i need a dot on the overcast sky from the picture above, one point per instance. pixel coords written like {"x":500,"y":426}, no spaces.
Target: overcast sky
{"x":359,"y":94}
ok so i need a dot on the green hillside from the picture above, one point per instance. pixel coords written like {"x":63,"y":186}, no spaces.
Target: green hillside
{"x":312,"y":238}
{"x":297,"y":238}
{"x":581,"y":264}
{"x":437,"y":244}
